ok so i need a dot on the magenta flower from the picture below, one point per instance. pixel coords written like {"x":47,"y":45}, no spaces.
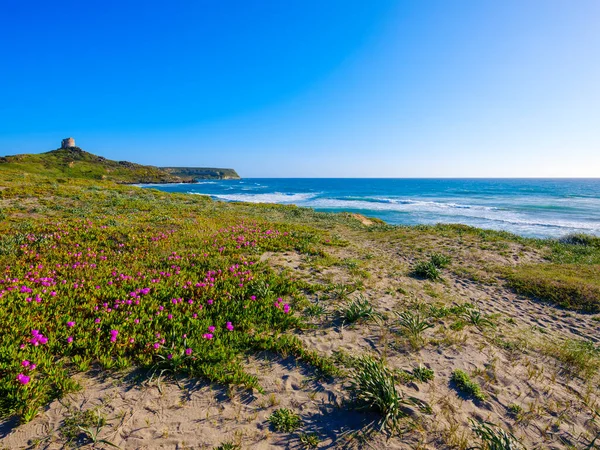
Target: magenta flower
{"x":69,"y":339}
{"x":157,"y":346}
{"x":188,"y":351}
{"x":207,"y":336}
{"x":211,"y":329}
{"x":38,"y":338}
{"x":25,"y":363}
{"x":286,"y":308}
{"x":229,"y":326}
{"x":169,"y":356}
{"x":113,"y":335}
{"x":70,"y":324}
{"x":23,"y":379}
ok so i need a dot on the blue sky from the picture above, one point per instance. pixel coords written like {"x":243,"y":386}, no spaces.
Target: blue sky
{"x":334,"y":88}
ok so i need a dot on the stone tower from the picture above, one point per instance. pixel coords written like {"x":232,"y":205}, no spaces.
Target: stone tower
{"x":67,"y":143}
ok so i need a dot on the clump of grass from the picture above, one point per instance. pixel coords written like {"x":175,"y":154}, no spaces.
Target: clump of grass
{"x":84,"y":427}
{"x":373,"y":388}
{"x":423,"y":374}
{"x":285,"y":420}
{"x":581,"y":239}
{"x":466,"y":386}
{"x":475,"y":317}
{"x":228,"y":446}
{"x":413,"y":325}
{"x":359,"y":310}
{"x":309,"y":440}
{"x":440,"y":260}
{"x":493,"y":437}
{"x":515,"y":411}
{"x":430,"y":269}
{"x":578,"y":357}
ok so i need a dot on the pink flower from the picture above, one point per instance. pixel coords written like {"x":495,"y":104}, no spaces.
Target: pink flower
{"x":188,"y":351}
{"x":286,"y":308}
{"x":113,"y":335}
{"x":229,"y":326}
{"x":97,"y":320}
{"x":25,"y":363}
{"x":157,"y":346}
{"x":70,"y":324}
{"x":207,"y":336}
{"x":169,"y":356}
{"x":170,"y":316}
{"x":23,"y":379}
{"x":70,"y":339}
{"x":211,"y":329}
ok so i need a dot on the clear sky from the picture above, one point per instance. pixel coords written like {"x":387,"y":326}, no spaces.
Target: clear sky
{"x":311,"y":88}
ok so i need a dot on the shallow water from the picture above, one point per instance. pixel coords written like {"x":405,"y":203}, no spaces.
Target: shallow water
{"x":529,"y":207}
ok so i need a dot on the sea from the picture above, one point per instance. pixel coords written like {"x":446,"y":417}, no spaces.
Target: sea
{"x":543,"y":208}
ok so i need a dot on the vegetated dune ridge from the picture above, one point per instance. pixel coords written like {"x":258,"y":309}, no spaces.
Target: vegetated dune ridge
{"x":74,"y":162}
{"x":443,"y":328}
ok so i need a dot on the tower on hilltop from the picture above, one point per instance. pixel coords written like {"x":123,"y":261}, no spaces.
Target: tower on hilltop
{"x":67,"y":143}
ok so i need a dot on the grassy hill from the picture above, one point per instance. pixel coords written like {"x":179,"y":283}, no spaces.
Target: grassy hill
{"x":77,"y":163}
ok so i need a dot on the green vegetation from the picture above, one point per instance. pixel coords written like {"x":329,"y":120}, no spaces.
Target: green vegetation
{"x":285,"y":420}
{"x":423,"y":374}
{"x":431,"y":269}
{"x":106,"y":277}
{"x":465,"y":386}
{"x":572,"y":286}
{"x":373,"y":388}
{"x":493,"y":437}
{"x":359,"y":309}
{"x":77,"y":163}
{"x":205,"y":173}
{"x":578,"y":357}
{"x":413,"y":325}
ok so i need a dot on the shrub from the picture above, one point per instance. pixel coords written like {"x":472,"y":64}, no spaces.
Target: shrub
{"x":464,"y":385}
{"x":285,"y":420}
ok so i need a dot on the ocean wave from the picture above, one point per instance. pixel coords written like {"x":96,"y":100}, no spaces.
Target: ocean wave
{"x":447,"y":212}
{"x":275,"y":197}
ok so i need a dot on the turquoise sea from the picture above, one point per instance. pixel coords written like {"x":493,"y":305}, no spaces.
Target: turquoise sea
{"x":529,"y":207}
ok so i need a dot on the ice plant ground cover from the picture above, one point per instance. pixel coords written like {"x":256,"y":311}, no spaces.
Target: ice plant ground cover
{"x":282,"y":304}
{"x":186,"y":294}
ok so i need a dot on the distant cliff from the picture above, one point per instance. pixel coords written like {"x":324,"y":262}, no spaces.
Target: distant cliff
{"x":203,"y":173}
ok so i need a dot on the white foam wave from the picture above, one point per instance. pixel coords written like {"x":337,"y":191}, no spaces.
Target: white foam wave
{"x":275,"y":197}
